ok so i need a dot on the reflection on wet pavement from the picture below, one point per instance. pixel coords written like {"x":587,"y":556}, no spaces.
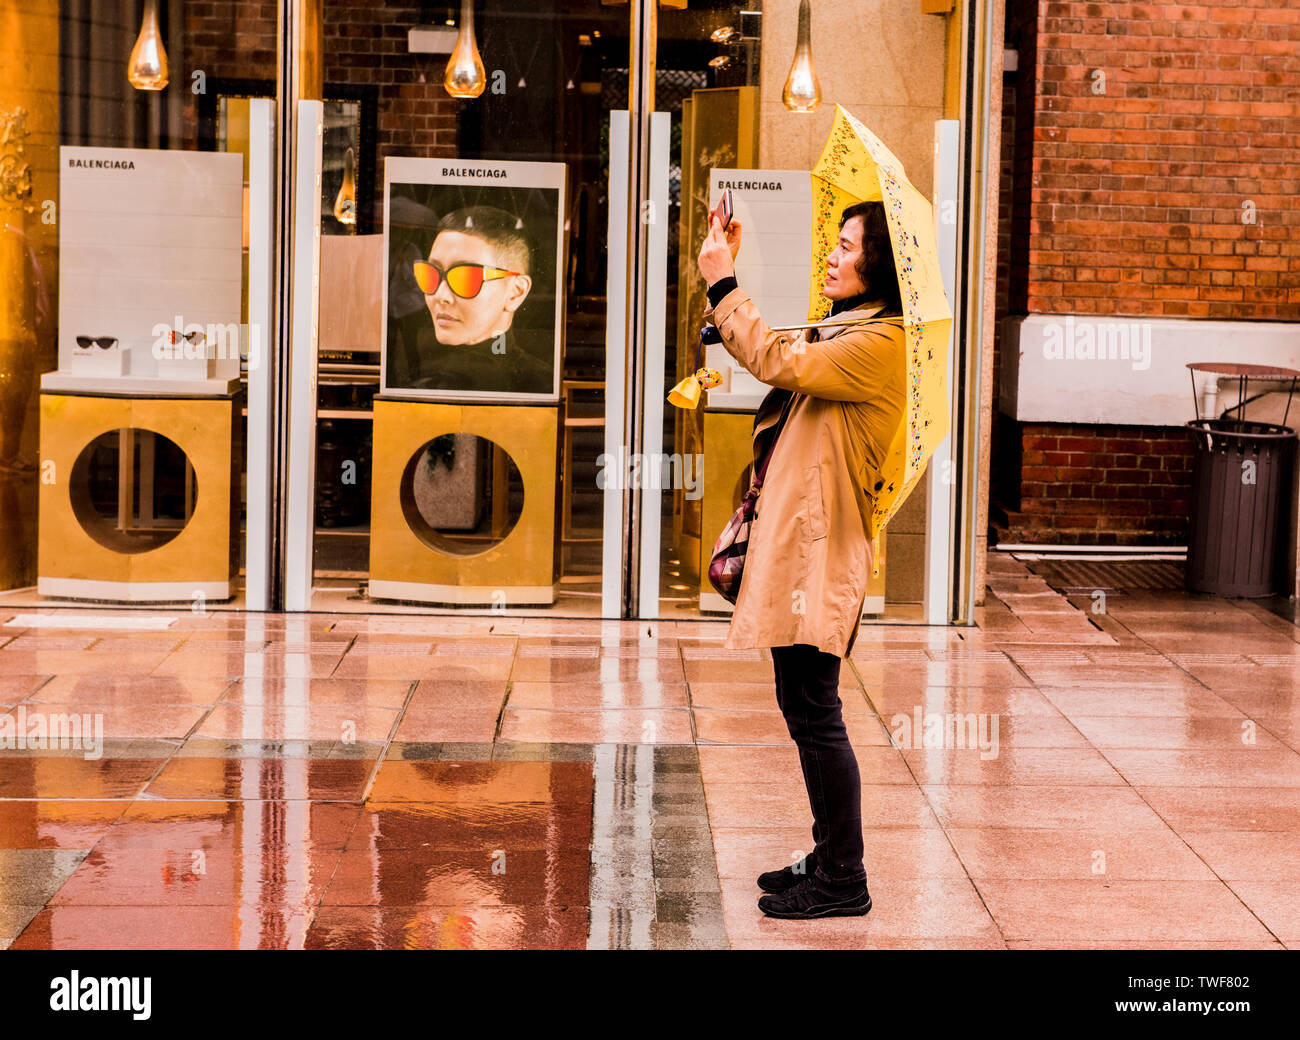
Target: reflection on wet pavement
{"x":288,"y":782}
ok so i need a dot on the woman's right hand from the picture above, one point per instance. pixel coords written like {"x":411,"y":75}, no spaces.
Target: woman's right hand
{"x":732,"y":234}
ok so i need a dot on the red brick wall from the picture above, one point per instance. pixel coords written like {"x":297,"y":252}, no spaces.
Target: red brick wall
{"x":225,"y":40}
{"x":1104,"y":485}
{"x":1138,"y":192}
{"x":365,"y":44}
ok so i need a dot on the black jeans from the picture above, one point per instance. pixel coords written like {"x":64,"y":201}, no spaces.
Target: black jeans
{"x":807,"y":689}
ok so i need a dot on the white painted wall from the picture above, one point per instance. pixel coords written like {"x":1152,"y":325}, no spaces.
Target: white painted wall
{"x":1043,"y":378}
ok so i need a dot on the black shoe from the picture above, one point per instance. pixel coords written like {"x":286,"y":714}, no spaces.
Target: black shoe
{"x":811,"y":898}
{"x":784,"y":879}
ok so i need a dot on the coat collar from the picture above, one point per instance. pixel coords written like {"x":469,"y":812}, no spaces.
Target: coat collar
{"x":867,"y":310}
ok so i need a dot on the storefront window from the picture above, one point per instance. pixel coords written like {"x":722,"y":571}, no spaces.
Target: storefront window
{"x":126,"y":327}
{"x":491,"y":273}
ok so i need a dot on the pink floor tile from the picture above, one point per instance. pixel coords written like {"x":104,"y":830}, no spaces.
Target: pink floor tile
{"x":1076,"y":854}
{"x":261,"y":926}
{"x":1241,"y":767}
{"x":1043,"y":807}
{"x":71,"y":776}
{"x":1127,"y":911}
{"x":434,"y":694}
{"x":1013,"y":766}
{"x":259,"y":827}
{"x":408,"y":667}
{"x":1226,"y":808}
{"x":315,"y":779}
{"x":427,"y":725}
{"x":257,"y":663}
{"x":741,"y":764}
{"x":902,"y":908}
{"x":64,"y":824}
{"x":612,"y":726}
{"x":1276,"y":904}
{"x":762,"y":696}
{"x":907,"y":852}
{"x":281,"y":692}
{"x":341,"y":722}
{"x":122,"y":720}
{"x":601,"y":669}
{"x":765,"y":806}
{"x":598,"y":695}
{"x":129,"y":690}
{"x":1247,"y":855}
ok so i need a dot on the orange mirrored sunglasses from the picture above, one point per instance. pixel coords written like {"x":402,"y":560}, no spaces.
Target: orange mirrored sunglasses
{"x":465,"y":280}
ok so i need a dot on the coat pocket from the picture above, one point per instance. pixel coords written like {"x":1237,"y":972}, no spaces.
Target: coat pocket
{"x":812,"y":484}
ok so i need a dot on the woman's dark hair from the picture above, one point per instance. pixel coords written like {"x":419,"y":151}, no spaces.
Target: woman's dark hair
{"x":876,"y":264}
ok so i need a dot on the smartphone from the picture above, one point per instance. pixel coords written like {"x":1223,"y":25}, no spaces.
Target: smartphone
{"x":726,"y":208}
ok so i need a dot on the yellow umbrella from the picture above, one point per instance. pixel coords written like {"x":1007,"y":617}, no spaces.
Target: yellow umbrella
{"x":855,"y":166}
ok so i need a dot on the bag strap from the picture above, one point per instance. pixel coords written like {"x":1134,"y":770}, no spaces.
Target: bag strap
{"x":760,"y":471}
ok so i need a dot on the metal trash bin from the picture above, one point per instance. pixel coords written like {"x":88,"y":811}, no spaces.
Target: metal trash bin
{"x":1242,"y":490}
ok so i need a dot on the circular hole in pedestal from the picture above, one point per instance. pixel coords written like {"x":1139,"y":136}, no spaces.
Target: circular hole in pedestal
{"x":133,"y":490}
{"x":462,"y":494}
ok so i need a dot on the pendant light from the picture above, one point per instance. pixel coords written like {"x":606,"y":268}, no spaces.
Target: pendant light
{"x":345,"y":205}
{"x":465,"y":77}
{"x":802,"y":92}
{"x":148,"y":66}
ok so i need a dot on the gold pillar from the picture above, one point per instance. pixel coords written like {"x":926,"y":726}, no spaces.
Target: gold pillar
{"x":29,"y":145}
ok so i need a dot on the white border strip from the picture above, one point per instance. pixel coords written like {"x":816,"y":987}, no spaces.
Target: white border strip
{"x":90,"y":621}
{"x":653,"y":393}
{"x":1054,"y":549}
{"x":133,"y":591}
{"x":611,"y":570}
{"x":466,"y":595}
{"x":261,"y":317}
{"x":300,"y":478}
{"x":940,"y":485}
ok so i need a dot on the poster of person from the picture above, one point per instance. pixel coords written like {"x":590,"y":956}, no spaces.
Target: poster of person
{"x":473,"y":284}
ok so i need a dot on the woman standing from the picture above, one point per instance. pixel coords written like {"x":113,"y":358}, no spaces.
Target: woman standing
{"x":809,"y":557}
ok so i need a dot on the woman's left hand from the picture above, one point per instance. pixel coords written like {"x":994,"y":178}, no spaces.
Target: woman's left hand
{"x":716,"y":259}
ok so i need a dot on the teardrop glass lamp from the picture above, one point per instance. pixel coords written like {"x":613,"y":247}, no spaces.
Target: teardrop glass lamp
{"x":465,"y":77}
{"x":345,"y":205}
{"x":802,"y":92}
{"x":147,"y":69}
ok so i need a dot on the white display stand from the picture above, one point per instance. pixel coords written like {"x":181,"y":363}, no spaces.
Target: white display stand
{"x":774,"y":208}
{"x":150,"y":243}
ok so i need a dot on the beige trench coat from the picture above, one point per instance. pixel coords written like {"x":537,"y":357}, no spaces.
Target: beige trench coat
{"x":809,"y":555}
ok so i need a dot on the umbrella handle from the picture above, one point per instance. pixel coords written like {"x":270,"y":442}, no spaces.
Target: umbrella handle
{"x":830,"y":324}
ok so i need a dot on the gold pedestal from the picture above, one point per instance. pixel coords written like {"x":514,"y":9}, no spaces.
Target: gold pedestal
{"x":200,"y":561}
{"x":520,"y":569}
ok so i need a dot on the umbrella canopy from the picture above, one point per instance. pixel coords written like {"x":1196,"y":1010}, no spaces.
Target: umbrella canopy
{"x":855,"y":166}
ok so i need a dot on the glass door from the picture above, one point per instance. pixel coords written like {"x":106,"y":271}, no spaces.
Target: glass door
{"x":750,"y":90}
{"x":461,"y":369}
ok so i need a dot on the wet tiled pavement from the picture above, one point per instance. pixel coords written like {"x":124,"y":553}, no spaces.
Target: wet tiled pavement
{"x":1052,"y":777}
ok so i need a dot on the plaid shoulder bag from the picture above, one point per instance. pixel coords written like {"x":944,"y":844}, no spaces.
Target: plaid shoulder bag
{"x":727,"y":566}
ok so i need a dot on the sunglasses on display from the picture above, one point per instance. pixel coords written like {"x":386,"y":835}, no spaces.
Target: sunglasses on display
{"x":465,"y":280}
{"x":192,"y":338}
{"x":102,"y":342}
